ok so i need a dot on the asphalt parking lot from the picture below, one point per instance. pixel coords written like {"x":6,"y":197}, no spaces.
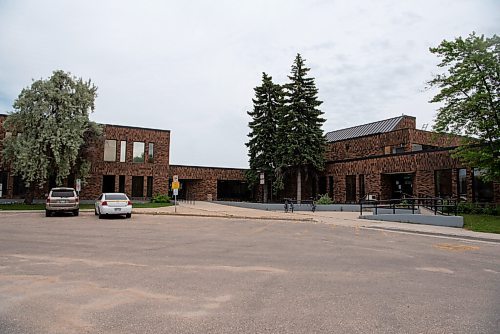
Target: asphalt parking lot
{"x":167,"y":274}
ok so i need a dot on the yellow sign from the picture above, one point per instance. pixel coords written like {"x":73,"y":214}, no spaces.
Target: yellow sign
{"x":175,"y":185}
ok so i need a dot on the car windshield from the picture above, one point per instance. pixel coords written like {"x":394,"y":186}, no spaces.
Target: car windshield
{"x":63,"y":193}
{"x":116,"y":197}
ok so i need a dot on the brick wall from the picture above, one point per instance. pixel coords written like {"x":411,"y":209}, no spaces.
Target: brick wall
{"x":420,"y":164}
{"x":158,"y":169}
{"x":376,"y":144}
{"x":201,"y":182}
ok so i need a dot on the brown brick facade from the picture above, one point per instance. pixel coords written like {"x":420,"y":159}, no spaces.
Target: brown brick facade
{"x":385,"y":164}
{"x":202,"y":183}
{"x":158,"y":169}
{"x":403,"y":156}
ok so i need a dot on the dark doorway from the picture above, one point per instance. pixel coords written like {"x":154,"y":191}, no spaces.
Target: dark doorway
{"x":400,"y":185}
{"x":137,"y":186}
{"x":350,"y":188}
{"x":108,"y":183}
{"x":229,"y":190}
{"x":121,"y":184}
{"x":322,"y":185}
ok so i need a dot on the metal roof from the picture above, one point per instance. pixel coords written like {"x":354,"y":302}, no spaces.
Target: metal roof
{"x":385,"y":125}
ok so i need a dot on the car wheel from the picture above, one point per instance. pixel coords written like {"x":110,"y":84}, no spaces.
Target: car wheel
{"x":95,"y":211}
{"x":128,"y":215}
{"x":47,"y":213}
{"x":76,"y":212}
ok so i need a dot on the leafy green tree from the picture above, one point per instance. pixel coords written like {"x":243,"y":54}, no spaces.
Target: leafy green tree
{"x":263,"y":131}
{"x":469,"y":94}
{"x":51,"y":131}
{"x":301,"y":141}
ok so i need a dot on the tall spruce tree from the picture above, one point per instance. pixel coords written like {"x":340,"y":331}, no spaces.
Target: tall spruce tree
{"x":301,"y":141}
{"x":263,"y":131}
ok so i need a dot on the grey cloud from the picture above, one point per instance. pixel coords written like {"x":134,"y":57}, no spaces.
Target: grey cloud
{"x":191,"y":66}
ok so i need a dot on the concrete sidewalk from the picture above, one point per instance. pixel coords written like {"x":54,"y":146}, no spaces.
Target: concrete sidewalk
{"x":350,"y":219}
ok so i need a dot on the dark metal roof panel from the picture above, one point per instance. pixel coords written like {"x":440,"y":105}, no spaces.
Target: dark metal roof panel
{"x":385,"y":125}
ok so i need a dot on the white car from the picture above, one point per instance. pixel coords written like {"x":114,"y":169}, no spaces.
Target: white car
{"x":113,"y":204}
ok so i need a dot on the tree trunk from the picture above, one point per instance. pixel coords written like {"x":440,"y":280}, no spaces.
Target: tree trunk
{"x":299,"y":185}
{"x":30,"y":194}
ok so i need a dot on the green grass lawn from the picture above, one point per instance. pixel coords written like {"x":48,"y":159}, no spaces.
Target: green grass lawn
{"x":21,"y":206}
{"x":482,"y":223}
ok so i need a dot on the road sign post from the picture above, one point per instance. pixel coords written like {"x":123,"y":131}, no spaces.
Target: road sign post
{"x":175,"y":188}
{"x":78,"y":186}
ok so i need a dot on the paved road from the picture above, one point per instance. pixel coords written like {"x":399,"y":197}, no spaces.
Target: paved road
{"x":163,"y":274}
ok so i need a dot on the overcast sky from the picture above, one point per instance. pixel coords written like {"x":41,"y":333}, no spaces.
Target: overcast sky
{"x":191,"y":66}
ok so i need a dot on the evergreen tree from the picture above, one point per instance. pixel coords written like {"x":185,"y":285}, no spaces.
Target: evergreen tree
{"x":301,"y":142}
{"x":263,"y":131}
{"x":51,"y":131}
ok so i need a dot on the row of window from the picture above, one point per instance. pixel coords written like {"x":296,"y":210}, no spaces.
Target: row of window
{"x":138,"y":151}
{"x":398,"y":184}
{"x":109,"y":185}
{"x":481,"y":191}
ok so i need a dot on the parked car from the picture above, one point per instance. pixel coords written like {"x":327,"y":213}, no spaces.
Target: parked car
{"x":62,"y":200}
{"x":113,"y":204}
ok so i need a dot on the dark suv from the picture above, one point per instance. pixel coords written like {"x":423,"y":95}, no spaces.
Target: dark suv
{"x":62,"y":200}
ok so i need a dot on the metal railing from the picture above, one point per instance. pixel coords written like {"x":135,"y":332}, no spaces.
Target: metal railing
{"x":436,"y":205}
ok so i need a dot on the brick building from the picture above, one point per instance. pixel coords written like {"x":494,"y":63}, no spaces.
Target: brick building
{"x":386,"y":159}
{"x":136,"y":161}
{"x":391,"y":158}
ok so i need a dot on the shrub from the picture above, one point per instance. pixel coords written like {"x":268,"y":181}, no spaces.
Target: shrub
{"x":324,"y":199}
{"x":160,"y":198}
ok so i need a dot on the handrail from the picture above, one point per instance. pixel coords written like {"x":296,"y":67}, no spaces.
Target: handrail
{"x":436,"y":204}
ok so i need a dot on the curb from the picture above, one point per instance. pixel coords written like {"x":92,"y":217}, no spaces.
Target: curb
{"x":156,"y":213}
{"x":467,"y":237}
{"x":225,"y":216}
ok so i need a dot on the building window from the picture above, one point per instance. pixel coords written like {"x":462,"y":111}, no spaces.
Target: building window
{"x":110,"y":150}
{"x":149,"y":187}
{"x":442,"y":179}
{"x":398,"y":149}
{"x":137,"y":186}
{"x":483,"y":191}
{"x":416,"y":147}
{"x":123,"y":150}
{"x":151,"y":152}
{"x":361,"y":186}
{"x":350,"y":188}
{"x":138,"y":154}
{"x":462,"y":183}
